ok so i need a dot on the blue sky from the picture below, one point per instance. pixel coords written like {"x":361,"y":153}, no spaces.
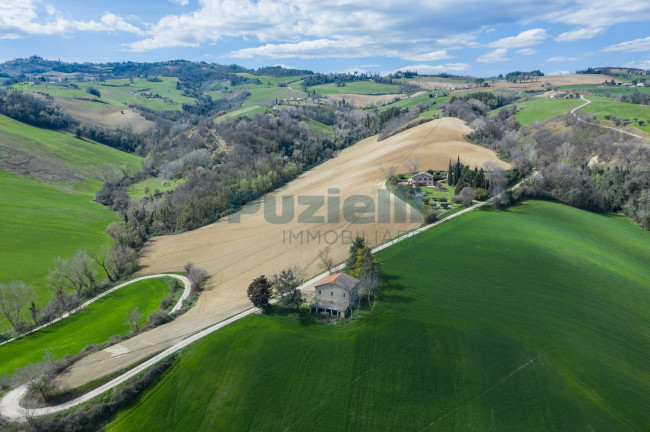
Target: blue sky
{"x":476,"y":37}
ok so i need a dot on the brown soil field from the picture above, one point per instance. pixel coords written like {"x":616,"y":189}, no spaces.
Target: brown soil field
{"x":235,"y":253}
{"x":109,"y":117}
{"x":555,"y":80}
{"x":362,"y":101}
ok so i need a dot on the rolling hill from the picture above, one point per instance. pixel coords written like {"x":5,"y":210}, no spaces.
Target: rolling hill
{"x":49,"y":180}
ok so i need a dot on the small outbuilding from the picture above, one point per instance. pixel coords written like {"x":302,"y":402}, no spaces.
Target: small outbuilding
{"x":335,"y":294}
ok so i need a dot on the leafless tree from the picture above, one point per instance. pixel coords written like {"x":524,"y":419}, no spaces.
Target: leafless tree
{"x":326,"y":261}
{"x":466,"y":196}
{"x":412,"y":163}
{"x":115,"y":261}
{"x":387,"y":172}
{"x":77,"y":273}
{"x":133,"y":319}
{"x":197,"y":276}
{"x":14,"y":296}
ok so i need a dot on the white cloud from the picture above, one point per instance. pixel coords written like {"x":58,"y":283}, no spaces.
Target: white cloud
{"x":425,"y":69}
{"x":524,"y":39}
{"x":431,"y":56}
{"x":498,"y":55}
{"x":180,"y":2}
{"x":526,"y":51}
{"x":580,"y":34}
{"x":642,"y":64}
{"x":563,"y":59}
{"x":636,"y":45}
{"x":23,"y":17}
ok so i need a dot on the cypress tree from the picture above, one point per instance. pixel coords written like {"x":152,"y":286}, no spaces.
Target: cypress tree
{"x":449,"y":174}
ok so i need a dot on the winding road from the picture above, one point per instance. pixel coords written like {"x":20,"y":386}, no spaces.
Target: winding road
{"x":587,"y":102}
{"x":10,"y":405}
{"x":186,"y":292}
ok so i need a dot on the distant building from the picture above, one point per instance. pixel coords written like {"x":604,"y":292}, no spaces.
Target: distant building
{"x":421,"y":179}
{"x":335,"y":294}
{"x":558,"y":95}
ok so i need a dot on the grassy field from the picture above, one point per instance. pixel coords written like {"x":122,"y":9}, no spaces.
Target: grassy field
{"x":320,"y":127}
{"x":137,"y":190}
{"x":534,"y":318}
{"x":600,"y":90}
{"x":542,"y":109}
{"x":122,"y":92}
{"x":601,"y":106}
{"x":356,"y":87}
{"x":54,"y":214}
{"x":94,"y":324}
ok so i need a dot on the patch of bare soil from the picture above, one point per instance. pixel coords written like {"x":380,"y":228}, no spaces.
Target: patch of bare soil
{"x":363,"y":101}
{"x":262,"y":241}
{"x":110,"y":117}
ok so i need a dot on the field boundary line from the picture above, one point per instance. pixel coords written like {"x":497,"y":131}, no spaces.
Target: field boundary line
{"x":10,"y":403}
{"x":186,"y":292}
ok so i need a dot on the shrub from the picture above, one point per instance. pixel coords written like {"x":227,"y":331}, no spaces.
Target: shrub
{"x":93,"y":91}
{"x":431,"y":216}
{"x":157,"y":318}
{"x":480,"y":194}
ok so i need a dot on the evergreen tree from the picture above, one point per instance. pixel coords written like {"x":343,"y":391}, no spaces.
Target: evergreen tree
{"x":357,"y":244}
{"x":449,"y":174}
{"x":259,"y":292}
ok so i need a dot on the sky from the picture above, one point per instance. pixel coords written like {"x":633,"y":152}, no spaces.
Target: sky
{"x":473,"y":37}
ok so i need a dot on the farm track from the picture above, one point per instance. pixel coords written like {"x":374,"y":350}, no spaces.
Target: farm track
{"x":10,"y":404}
{"x":186,"y":292}
{"x":233,"y":254}
{"x":573,"y":113}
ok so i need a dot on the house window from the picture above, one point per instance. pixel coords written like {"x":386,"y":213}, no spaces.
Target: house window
{"x":343,"y":294}
{"x":318,"y":292}
{"x":332,"y":294}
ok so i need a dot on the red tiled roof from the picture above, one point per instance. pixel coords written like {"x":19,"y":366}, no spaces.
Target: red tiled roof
{"x":343,"y":280}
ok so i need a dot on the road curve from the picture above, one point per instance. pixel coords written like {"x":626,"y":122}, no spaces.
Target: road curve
{"x":186,"y":292}
{"x":573,"y":113}
{"x":10,"y":404}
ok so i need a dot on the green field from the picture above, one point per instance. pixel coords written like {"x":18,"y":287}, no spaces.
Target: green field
{"x":542,"y":109}
{"x":601,"y":106}
{"x":137,"y":190}
{"x":320,"y":127}
{"x":356,"y":87}
{"x":94,"y":324}
{"x":600,"y":90}
{"x":52,"y":213}
{"x":122,"y":92}
{"x":534,"y":318}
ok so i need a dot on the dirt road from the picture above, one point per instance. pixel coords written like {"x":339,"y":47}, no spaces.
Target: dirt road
{"x":235,"y":253}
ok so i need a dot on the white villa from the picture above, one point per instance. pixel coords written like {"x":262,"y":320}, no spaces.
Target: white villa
{"x":421,"y":179}
{"x":335,"y":294}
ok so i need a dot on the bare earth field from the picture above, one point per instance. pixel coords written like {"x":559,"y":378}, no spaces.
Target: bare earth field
{"x":235,"y":253}
{"x":109,"y":117}
{"x":556,"y":81}
{"x":361,"y":101}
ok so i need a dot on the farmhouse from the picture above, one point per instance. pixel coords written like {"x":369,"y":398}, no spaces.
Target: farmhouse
{"x":421,"y":179}
{"x":335,"y":294}
{"x":558,"y":95}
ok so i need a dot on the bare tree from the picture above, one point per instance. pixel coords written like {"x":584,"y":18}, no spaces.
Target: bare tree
{"x":133,"y":319}
{"x":326,"y":261}
{"x":116,"y":261}
{"x":387,"y":172}
{"x":14,"y":296}
{"x":197,"y":276}
{"x":412,"y":163}
{"x":84,"y":264}
{"x":466,"y":196}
